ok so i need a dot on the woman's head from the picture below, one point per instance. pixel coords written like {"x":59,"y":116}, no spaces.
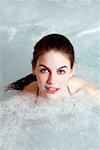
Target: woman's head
{"x":55,"y":42}
{"x":53,"y":61}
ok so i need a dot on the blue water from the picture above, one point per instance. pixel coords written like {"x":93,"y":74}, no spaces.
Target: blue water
{"x":22,"y":24}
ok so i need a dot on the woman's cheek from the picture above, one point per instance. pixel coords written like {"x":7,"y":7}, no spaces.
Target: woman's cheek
{"x":42,"y":78}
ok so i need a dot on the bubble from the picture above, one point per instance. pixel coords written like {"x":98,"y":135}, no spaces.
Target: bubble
{"x":29,"y":124}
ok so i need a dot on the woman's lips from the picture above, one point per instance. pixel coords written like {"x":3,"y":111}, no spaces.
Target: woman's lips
{"x":51,"y":90}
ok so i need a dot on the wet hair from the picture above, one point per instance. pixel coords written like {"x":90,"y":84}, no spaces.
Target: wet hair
{"x":55,"y":42}
{"x":21,"y":83}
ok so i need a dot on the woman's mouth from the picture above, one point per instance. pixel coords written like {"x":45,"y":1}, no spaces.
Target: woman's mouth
{"x":51,"y":90}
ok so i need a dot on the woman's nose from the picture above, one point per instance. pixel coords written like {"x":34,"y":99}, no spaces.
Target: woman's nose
{"x":51,"y":78}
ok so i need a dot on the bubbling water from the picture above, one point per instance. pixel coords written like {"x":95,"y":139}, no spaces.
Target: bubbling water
{"x":66,"y":123}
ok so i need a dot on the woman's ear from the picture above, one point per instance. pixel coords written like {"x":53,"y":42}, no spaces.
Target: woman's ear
{"x":73,"y":69}
{"x":33,"y":69}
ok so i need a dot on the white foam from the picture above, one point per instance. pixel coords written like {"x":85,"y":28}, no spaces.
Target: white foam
{"x":60,"y":124}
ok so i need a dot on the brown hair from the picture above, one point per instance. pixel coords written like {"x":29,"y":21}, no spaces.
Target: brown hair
{"x":54,"y":42}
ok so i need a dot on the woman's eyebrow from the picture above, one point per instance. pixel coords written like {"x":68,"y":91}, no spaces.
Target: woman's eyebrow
{"x":62,"y":67}
{"x":41,"y":65}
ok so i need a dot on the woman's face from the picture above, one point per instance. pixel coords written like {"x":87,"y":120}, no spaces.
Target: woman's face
{"x":53,"y":72}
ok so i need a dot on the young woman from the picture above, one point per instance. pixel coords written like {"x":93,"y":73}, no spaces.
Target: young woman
{"x":53,"y":68}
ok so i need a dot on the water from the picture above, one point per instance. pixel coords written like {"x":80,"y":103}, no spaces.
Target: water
{"x":24,"y":22}
{"x":67,"y":123}
{"x":71,"y":124}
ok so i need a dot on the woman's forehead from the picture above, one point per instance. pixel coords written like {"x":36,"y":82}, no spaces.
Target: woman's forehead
{"x":53,"y":54}
{"x":53,"y":57}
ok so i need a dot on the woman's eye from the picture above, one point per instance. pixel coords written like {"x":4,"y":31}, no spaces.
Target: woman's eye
{"x":43,"y":70}
{"x":61,"y":72}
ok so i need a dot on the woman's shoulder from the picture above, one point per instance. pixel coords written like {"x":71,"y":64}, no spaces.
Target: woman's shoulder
{"x":80,"y":85}
{"x":31,"y":88}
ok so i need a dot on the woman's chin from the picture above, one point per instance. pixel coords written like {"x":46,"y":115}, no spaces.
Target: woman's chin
{"x":51,"y":96}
